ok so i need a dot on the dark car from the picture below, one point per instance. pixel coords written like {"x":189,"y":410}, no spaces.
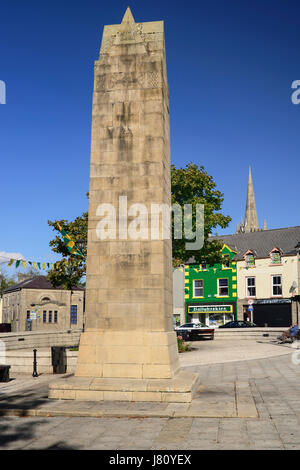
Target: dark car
{"x":194,"y":331}
{"x":238,"y":324}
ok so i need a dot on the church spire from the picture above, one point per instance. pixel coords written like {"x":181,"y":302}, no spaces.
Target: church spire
{"x":251,"y":221}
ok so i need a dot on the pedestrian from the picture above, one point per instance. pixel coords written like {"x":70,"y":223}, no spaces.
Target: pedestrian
{"x":290,"y":333}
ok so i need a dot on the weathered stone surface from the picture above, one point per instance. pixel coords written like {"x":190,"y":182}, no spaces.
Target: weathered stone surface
{"x":129,"y":330}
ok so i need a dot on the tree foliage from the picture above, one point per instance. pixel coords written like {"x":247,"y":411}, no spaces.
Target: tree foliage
{"x":193,"y":185}
{"x":71,"y":269}
{"x":5,"y":283}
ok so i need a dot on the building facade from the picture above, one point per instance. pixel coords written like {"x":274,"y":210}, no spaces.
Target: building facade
{"x":211,"y":291}
{"x":35,"y":304}
{"x":267,"y":275}
{"x":178,"y":296}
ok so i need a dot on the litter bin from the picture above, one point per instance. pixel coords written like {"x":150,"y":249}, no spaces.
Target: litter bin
{"x":59,"y":359}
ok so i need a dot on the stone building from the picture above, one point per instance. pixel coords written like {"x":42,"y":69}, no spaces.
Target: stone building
{"x":34,"y":304}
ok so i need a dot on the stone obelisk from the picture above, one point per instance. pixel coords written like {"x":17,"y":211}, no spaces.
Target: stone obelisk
{"x":129,"y":342}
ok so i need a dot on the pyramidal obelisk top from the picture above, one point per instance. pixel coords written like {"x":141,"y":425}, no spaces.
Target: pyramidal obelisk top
{"x":128,"y":17}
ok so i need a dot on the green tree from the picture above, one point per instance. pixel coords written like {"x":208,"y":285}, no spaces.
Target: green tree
{"x":193,"y":185}
{"x":190,"y":185}
{"x":70,"y":270}
{"x":5,"y":283}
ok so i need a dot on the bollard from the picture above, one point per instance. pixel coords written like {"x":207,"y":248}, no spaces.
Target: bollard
{"x":34,"y":373}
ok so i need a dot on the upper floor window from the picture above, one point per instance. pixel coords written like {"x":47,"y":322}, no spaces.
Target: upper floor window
{"x":203,"y":265}
{"x":55,"y":316}
{"x":275,"y":257}
{"x":250,"y":260}
{"x":226,"y":261}
{"x":74,"y":314}
{"x":198,"y":288}
{"x":223,"y":290}
{"x":50,"y":316}
{"x":44,"y":316}
{"x":276,"y":285}
{"x":251,"y":286}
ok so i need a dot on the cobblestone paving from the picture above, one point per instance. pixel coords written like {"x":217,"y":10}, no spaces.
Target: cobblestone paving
{"x":275,"y":385}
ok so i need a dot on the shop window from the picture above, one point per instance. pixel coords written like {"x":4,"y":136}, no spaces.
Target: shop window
{"x":276,"y":286}
{"x":223,"y":290}
{"x":251,"y":286}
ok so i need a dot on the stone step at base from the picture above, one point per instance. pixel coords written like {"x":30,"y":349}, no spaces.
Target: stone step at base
{"x":179,"y":389}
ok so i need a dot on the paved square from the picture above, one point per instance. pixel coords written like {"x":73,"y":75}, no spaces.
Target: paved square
{"x":273,"y":382}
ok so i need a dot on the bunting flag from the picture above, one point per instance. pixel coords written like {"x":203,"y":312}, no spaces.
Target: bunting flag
{"x":69,"y":242}
{"x":35,"y":264}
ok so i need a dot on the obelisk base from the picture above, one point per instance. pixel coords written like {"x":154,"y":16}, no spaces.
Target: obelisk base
{"x":135,"y":354}
{"x":179,"y":389}
{"x":127,"y":366}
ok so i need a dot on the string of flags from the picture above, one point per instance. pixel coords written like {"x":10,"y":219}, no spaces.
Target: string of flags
{"x":35,"y":264}
{"x":43,"y":265}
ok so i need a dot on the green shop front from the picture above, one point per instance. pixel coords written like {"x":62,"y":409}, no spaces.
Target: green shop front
{"x":211,"y":291}
{"x":211,"y":314}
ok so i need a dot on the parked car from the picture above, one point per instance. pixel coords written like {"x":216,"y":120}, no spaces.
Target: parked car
{"x":238,"y":324}
{"x":194,"y":331}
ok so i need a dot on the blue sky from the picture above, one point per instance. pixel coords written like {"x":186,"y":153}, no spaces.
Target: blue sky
{"x":230,"y":63}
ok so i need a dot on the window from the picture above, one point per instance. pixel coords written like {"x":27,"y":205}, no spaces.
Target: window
{"x":276,"y":285}
{"x":55,"y":316}
{"x":223,"y":287}
{"x":198,"y":288}
{"x":251,"y":287}
{"x":28,"y":314}
{"x":73,"y":314}
{"x":226,"y":261}
{"x":44,"y":316}
{"x":50,"y":316}
{"x":250,"y":260}
{"x":275,"y":257}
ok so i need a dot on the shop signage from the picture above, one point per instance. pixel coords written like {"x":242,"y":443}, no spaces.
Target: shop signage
{"x":210,"y":309}
{"x":273,"y":301}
